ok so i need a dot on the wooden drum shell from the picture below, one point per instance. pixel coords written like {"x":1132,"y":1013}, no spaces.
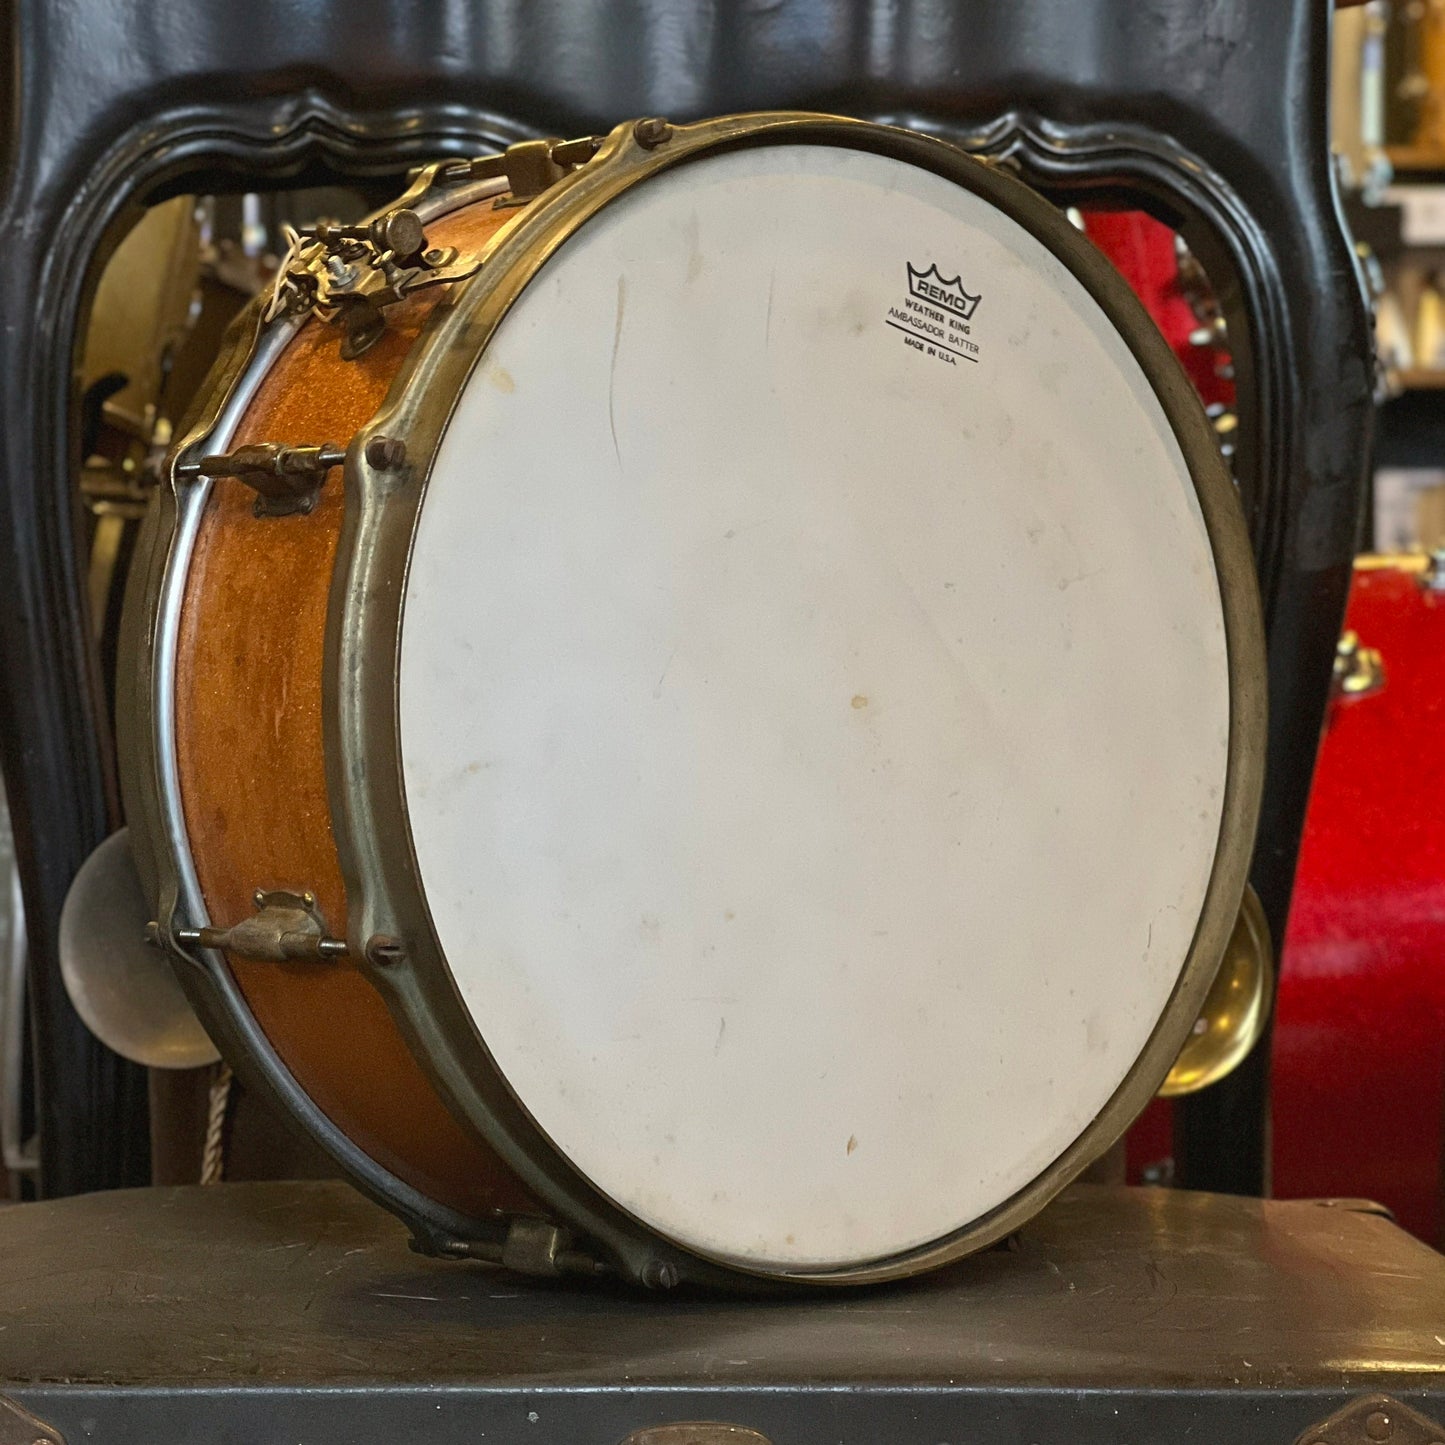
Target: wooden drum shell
{"x":251,"y":758}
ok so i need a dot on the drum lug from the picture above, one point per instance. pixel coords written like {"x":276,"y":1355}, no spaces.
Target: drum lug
{"x":532,"y":1246}
{"x":287,"y":480}
{"x":536,"y":1246}
{"x":287,"y":928}
{"x":351,"y":274}
{"x":529,"y":167}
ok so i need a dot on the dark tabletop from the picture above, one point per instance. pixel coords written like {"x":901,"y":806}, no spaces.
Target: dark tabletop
{"x":296,"y":1312}
{"x":1109,"y":1287}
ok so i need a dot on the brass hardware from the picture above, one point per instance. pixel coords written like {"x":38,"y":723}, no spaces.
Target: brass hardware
{"x":535,"y":1246}
{"x":1213,"y":333}
{"x":1374,"y":1420}
{"x":1235,"y":1010}
{"x":287,"y":480}
{"x":1358,"y":671}
{"x":350,"y":274}
{"x":398,"y":231}
{"x":574,"y":153}
{"x":287,"y":927}
{"x":1417,"y":562}
{"x":530,"y":169}
{"x":651,"y":132}
{"x":1226,"y":427}
{"x":530,"y":166}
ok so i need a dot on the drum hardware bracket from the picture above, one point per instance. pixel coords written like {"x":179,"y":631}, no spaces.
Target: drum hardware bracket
{"x":532,"y":1246}
{"x":287,"y":928}
{"x":287,"y":480}
{"x":529,"y":167}
{"x":1374,"y":1420}
{"x":350,"y":274}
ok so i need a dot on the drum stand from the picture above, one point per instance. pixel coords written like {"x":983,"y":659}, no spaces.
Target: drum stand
{"x":1213,"y":117}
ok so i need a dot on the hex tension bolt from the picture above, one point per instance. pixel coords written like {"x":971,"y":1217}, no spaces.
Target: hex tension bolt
{"x":386,"y":454}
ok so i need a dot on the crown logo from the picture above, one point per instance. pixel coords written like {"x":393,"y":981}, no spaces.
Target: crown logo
{"x":940,"y":290}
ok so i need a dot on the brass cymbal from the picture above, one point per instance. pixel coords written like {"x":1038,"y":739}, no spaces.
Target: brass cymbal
{"x":1235,"y":1010}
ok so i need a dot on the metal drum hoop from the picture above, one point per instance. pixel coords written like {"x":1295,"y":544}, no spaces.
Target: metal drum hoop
{"x":389,"y":926}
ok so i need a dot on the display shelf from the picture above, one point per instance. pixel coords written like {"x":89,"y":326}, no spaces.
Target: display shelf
{"x":243,"y":1313}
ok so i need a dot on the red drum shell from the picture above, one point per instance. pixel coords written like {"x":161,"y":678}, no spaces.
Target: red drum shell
{"x":1359,"y":1053}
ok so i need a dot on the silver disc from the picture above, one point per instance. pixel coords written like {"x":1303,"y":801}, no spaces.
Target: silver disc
{"x":125,"y":989}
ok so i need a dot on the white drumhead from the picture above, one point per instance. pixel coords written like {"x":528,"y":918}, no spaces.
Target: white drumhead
{"x":813,"y":727}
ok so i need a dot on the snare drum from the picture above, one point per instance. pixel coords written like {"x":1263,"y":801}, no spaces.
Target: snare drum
{"x":694,"y":702}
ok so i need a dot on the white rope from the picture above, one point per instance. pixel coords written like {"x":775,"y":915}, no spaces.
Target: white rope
{"x":213,"y":1158}
{"x":277,"y":302}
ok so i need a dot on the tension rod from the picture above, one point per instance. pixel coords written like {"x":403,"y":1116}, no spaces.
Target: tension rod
{"x":286,"y":479}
